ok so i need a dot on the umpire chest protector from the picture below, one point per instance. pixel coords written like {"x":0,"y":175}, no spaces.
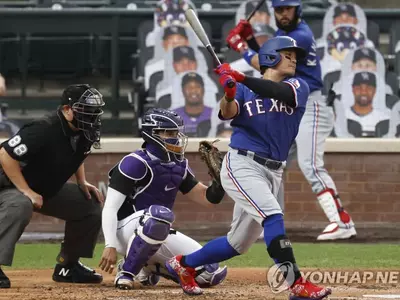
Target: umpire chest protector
{"x":49,"y":152}
{"x":160,"y":184}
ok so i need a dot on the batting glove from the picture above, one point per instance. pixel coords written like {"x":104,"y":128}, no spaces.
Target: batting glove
{"x":235,"y":42}
{"x":245,"y":30}
{"x":226,"y":81}
{"x":227,"y":70}
{"x":224,"y":68}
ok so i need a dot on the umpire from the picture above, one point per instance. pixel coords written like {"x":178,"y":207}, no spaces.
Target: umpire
{"x":36,"y":164}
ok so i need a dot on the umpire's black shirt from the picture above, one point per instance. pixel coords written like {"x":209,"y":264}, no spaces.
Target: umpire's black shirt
{"x":49,"y":151}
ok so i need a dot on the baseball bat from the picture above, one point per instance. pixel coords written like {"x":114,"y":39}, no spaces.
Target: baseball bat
{"x":261,"y":2}
{"x":201,"y":34}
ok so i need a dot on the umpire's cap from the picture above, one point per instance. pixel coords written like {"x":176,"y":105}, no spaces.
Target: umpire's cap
{"x":269,"y":55}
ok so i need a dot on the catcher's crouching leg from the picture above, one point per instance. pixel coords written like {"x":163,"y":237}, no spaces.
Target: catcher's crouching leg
{"x":210,"y":275}
{"x":206,"y":276}
{"x":153,"y":230}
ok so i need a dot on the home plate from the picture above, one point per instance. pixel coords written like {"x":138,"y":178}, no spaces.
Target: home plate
{"x":382,"y":296}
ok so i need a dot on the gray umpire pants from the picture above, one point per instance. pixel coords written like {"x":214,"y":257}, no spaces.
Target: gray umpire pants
{"x":82,"y":216}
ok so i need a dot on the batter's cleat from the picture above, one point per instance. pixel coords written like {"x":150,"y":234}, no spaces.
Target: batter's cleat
{"x":4,"y":280}
{"x":338,"y":231}
{"x":185,"y":275}
{"x":76,"y":273}
{"x":304,"y":290}
{"x":124,"y":281}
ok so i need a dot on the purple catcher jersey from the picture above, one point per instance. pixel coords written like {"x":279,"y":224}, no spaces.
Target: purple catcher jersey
{"x":267,"y":126}
{"x":308,"y":69}
{"x":158,"y":186}
{"x":192,"y":123}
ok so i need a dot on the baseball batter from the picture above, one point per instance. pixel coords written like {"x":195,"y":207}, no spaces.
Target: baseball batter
{"x":318,"y":120}
{"x":265,"y":115}
{"x":137,"y":216}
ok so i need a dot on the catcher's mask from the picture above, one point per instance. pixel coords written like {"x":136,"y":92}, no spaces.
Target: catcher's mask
{"x":164,"y":128}
{"x":86,"y":103}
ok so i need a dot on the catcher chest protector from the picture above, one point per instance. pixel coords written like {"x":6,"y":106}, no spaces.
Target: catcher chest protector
{"x":159,"y":186}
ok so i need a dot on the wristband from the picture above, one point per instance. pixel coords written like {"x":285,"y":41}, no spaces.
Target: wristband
{"x":248,"y":55}
{"x":215,"y":193}
{"x":229,"y":100}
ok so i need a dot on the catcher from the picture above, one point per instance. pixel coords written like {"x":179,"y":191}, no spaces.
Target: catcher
{"x":137,"y":215}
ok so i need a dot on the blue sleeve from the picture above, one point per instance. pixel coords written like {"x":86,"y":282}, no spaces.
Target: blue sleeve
{"x":300,"y":89}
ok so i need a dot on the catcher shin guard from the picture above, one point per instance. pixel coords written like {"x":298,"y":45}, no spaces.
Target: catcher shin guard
{"x":210,"y":275}
{"x":147,"y":239}
{"x":341,"y":226}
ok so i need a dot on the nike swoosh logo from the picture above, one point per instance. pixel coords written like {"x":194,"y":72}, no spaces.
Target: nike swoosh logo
{"x":169,"y":189}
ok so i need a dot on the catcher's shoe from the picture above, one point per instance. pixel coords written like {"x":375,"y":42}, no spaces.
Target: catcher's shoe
{"x":185,"y":275}
{"x":304,"y":290}
{"x":76,"y":273}
{"x":124,"y":280}
{"x":4,"y":281}
{"x":338,"y":231}
{"x":147,"y":278}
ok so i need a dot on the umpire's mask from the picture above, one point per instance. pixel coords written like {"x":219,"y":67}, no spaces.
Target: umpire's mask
{"x":86,"y":103}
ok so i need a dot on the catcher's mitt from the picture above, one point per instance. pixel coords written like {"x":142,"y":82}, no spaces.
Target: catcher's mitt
{"x":213,"y":159}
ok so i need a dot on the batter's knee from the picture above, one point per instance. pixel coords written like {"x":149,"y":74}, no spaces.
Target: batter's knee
{"x":240,"y":245}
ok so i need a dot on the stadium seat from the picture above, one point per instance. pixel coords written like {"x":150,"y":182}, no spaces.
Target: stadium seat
{"x":391,"y":100}
{"x":229,"y":54}
{"x":381,"y":129}
{"x":44,"y":59}
{"x":393,"y":81}
{"x":18,"y":3}
{"x":10,"y":55}
{"x":394,"y":37}
{"x":394,"y":45}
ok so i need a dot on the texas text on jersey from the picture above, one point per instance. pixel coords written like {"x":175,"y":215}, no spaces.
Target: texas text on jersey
{"x":251,"y":127}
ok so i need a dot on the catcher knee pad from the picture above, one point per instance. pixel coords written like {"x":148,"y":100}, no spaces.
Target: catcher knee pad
{"x":153,"y":230}
{"x":210,"y":275}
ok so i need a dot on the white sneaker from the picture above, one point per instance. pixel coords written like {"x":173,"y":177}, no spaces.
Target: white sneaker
{"x":147,"y":278}
{"x":336,"y":231}
{"x":124,"y":281}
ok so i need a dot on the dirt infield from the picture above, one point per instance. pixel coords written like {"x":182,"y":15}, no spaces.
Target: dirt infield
{"x":240,"y":284}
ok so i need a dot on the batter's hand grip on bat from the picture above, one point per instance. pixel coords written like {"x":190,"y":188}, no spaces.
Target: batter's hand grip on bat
{"x":231,"y":84}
